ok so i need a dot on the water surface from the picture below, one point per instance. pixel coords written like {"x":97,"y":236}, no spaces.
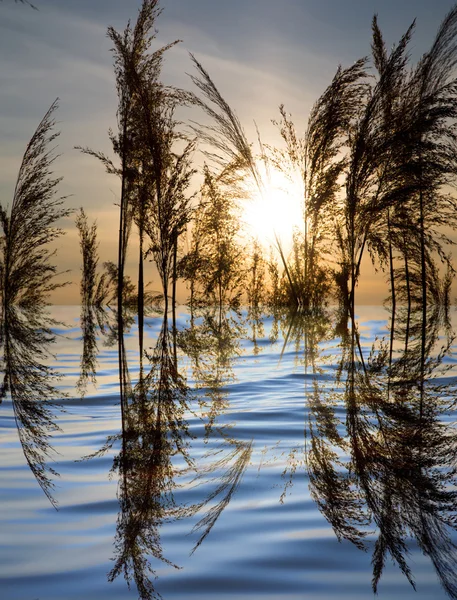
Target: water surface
{"x":250,"y":456}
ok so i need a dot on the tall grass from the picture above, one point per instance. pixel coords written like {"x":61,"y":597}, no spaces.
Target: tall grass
{"x":31,"y":224}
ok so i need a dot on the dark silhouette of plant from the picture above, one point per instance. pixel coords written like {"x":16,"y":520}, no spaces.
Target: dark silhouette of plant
{"x":217,"y":255}
{"x":401,"y":156}
{"x":27,"y":278}
{"x":140,"y":95}
{"x":274,"y":299}
{"x":256,"y":284}
{"x":89,"y":320}
{"x":169,"y":221}
{"x":318,"y":161}
{"x":30,"y":224}
{"x":191,"y":264}
{"x":228,"y":147}
{"x":432,"y":163}
{"x":374,"y":176}
{"x":161,"y":175}
{"x":90,"y":283}
{"x":98,"y":291}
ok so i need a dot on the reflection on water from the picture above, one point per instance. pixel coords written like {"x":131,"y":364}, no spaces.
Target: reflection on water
{"x":154,"y":430}
{"x":400,"y":476}
{"x":26,"y":341}
{"x":218,"y":424}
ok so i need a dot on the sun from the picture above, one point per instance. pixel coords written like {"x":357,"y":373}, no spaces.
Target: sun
{"x":273,"y":213}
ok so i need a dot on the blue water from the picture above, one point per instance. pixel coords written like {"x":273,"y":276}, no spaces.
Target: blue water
{"x":250,"y":415}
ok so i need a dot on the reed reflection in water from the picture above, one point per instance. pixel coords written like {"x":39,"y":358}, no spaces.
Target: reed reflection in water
{"x":228,"y":427}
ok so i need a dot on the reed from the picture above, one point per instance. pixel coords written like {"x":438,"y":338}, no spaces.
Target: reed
{"x":30,"y":225}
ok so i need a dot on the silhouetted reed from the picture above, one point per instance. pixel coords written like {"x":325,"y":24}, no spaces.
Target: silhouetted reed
{"x":27,"y":278}
{"x":92,"y":285}
{"x":30,"y":224}
{"x":402,"y":154}
{"x":216,"y":259}
{"x":228,"y":148}
{"x":389,"y":143}
{"x":318,"y":160}
{"x":154,"y":176}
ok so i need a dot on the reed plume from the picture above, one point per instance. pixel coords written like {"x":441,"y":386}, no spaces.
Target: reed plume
{"x":31,"y":223}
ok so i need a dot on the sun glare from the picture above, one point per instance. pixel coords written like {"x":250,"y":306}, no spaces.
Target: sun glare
{"x":276,"y":211}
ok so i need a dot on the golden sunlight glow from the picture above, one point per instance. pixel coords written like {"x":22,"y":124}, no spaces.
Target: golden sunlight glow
{"x":276,"y":211}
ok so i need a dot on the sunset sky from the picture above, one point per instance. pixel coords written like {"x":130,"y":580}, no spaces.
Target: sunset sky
{"x":260,"y":53}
